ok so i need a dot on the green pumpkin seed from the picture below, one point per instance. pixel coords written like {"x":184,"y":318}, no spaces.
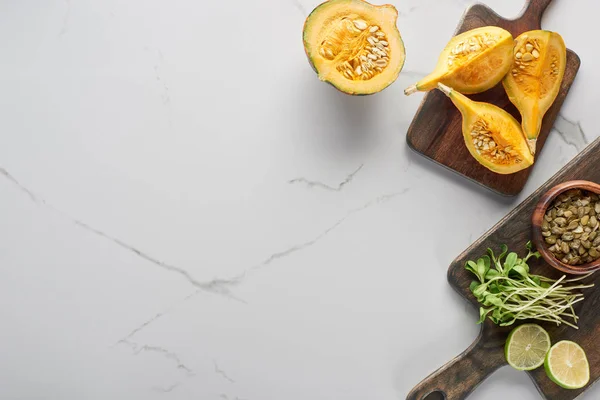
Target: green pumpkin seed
{"x":568,"y":214}
{"x":560,"y":221}
{"x":585,"y":220}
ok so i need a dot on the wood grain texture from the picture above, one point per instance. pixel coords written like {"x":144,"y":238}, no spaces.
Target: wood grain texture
{"x":538,"y":218}
{"x":435,"y":131}
{"x":459,"y":377}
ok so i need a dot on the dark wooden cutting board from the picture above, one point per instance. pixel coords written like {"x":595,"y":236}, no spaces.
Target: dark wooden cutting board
{"x":435,"y":131}
{"x":459,"y":377}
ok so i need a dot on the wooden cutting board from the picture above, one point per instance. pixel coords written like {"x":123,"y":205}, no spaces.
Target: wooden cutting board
{"x":435,"y":131}
{"x":459,"y":377}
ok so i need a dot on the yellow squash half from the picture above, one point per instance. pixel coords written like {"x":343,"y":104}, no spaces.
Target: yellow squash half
{"x":532,"y":85}
{"x":354,"y":45}
{"x":493,"y":137}
{"x":471,"y":62}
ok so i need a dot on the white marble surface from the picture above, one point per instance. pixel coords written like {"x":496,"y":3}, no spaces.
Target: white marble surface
{"x":188,"y":213}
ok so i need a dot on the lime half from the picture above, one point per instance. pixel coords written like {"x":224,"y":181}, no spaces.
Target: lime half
{"x":526,"y":347}
{"x":567,"y":365}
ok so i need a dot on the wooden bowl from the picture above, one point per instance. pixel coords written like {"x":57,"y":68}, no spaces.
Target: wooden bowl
{"x":537,"y":220}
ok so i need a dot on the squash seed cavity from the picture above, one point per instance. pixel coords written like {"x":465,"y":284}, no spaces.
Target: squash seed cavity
{"x":486,"y":144}
{"x":526,"y":59}
{"x":360,"y":50}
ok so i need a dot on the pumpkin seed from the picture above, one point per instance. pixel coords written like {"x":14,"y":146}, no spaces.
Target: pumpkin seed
{"x":567,"y":237}
{"x":568,"y":214}
{"x":573,"y":224}
{"x":360,"y":24}
{"x":560,"y":220}
{"x":585,"y":236}
{"x":545,"y":225}
{"x":585,"y":220}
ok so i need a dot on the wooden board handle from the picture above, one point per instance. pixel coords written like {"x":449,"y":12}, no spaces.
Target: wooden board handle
{"x":457,"y":379}
{"x":533,"y":12}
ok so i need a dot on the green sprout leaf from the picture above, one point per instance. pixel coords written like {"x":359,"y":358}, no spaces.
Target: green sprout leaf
{"x":492,"y":273}
{"x":474,"y":286}
{"x":520,"y":270}
{"x":492,"y":299}
{"x":473,"y":267}
{"x":483,"y":312}
{"x":480,"y":290}
{"x":529,"y":246}
{"x":510,"y":262}
{"x":504,"y":249}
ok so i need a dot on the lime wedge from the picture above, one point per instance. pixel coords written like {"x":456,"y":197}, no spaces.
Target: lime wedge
{"x":526,"y":347}
{"x":567,"y":365}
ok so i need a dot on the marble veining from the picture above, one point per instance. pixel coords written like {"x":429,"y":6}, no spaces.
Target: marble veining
{"x":222,"y":373}
{"x":167,"y":389}
{"x":321,"y":185}
{"x":571,"y":133}
{"x":137,"y":349}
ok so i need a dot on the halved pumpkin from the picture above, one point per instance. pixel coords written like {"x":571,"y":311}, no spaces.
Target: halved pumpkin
{"x":492,"y":136}
{"x":540,"y":59}
{"x":471,"y":62}
{"x":354,"y":45}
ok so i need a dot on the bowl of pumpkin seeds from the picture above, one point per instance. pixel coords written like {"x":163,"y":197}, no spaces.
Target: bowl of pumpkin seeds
{"x":566,"y":227}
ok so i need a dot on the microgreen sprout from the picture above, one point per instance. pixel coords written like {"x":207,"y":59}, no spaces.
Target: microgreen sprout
{"x":508,"y":292}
